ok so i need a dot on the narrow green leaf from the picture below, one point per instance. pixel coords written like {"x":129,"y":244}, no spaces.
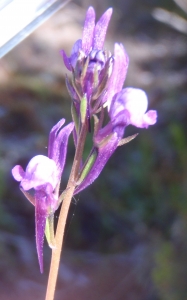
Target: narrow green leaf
{"x":84,"y":69}
{"x":83,"y":108}
{"x":49,"y":231}
{"x":87,"y":167}
{"x":127,"y":139}
{"x":75,"y":117}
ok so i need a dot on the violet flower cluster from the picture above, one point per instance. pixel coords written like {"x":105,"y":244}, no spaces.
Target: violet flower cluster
{"x":97,"y":94}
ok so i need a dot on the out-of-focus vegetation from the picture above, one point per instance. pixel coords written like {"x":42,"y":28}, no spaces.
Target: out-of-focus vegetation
{"x":127,"y":233}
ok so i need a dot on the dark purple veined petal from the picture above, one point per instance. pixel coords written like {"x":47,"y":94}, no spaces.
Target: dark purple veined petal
{"x":101,"y":29}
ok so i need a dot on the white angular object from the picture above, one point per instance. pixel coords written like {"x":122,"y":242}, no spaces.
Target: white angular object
{"x":19,"y":18}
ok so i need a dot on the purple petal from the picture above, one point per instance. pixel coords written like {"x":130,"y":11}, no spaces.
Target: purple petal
{"x":66,"y":60}
{"x":118,"y":75}
{"x":150,"y":118}
{"x":120,"y":122}
{"x":117,"y":105}
{"x":45,"y":204}
{"x":103,"y":133}
{"x":62,"y":140}
{"x":135,"y":102}
{"x":71,"y":61}
{"x":52,"y":137}
{"x":70,"y":89}
{"x":18,"y":173}
{"x":40,"y":170}
{"x":101,"y":29}
{"x":104,"y":153}
{"x":58,"y":141}
{"x":88,"y":30}
{"x":75,"y":52}
{"x":40,"y":222}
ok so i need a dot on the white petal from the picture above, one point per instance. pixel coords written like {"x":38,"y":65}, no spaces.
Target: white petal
{"x":40,"y":170}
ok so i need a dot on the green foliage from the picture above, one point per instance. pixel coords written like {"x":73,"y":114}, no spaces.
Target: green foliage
{"x":5,"y":218}
{"x":163,"y":274}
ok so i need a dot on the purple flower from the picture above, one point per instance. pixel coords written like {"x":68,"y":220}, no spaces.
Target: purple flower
{"x":128,"y":107}
{"x":131,"y":104}
{"x":43,"y":174}
{"x":125,"y":107}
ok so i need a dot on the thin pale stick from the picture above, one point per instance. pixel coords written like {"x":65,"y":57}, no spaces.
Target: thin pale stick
{"x":56,"y":252}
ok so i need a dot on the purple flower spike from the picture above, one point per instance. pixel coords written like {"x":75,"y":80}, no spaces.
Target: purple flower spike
{"x":43,"y":174}
{"x":133,"y":102}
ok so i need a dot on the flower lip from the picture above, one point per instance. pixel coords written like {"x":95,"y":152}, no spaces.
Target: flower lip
{"x":39,"y":171}
{"x":135,"y":102}
{"x":18,"y":173}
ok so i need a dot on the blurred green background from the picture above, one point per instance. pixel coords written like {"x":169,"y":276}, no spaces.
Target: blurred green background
{"x":126,"y":236}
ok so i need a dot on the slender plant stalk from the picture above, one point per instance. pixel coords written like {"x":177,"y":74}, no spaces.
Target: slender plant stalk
{"x":56,"y":252}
